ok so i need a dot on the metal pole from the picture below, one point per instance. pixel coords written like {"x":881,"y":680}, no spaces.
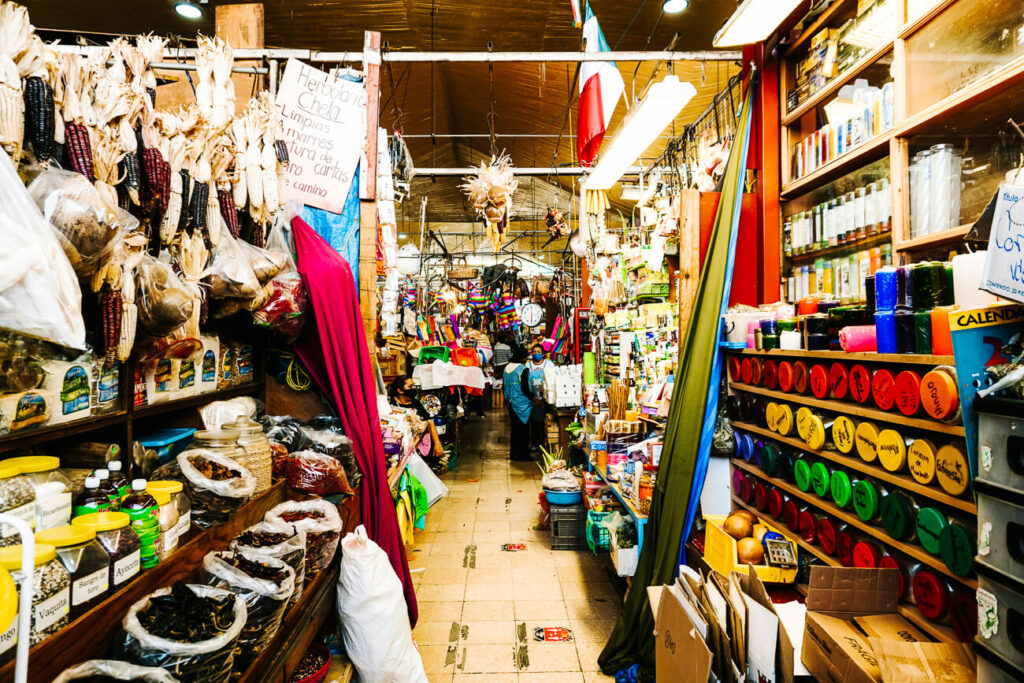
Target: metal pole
{"x":525,"y":171}
{"x":540,"y":56}
{"x":273,"y":76}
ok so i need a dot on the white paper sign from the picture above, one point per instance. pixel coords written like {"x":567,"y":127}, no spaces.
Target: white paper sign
{"x":324,"y":122}
{"x":1004,"y":267}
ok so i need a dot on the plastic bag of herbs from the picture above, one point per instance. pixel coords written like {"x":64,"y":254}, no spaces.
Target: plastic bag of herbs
{"x":96,"y":670}
{"x":189,"y":630}
{"x":265,"y":583}
{"x":216,"y":485}
{"x":339,"y":446}
{"x":279,"y":541}
{"x":320,"y":520}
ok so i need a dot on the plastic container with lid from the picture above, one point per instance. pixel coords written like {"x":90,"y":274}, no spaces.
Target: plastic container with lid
{"x":818,"y":430}
{"x":859,"y":383}
{"x":931,"y":594}
{"x":825,"y":530}
{"x":791,"y":510}
{"x":899,"y":516}
{"x":838,"y":379}
{"x":181,"y":503}
{"x":767,"y":457}
{"x":957,"y":548}
{"x":802,"y":474}
{"x":908,"y":392}
{"x":114,"y":532}
{"x":744,"y":446}
{"x":53,"y":489}
{"x":808,"y":525}
{"x":867,"y":496}
{"x":845,"y":543}
{"x":883,"y":389}
{"x":844,"y":433}
{"x":168,"y":520}
{"x":951,"y":469}
{"x":784,"y":420}
{"x":866,"y":554}
{"x":803,"y":416}
{"x":222,"y":442}
{"x":821,"y":477}
{"x":940,"y":397}
{"x":761,"y":496}
{"x":866,"y":440}
{"x":905,"y":570}
{"x":51,"y":595}
{"x":819,"y":381}
{"x":144,"y":512}
{"x":841,"y":487}
{"x":801,"y":377}
{"x":770,"y":374}
{"x":785,"y":466}
{"x":892,"y":449}
{"x":18,"y":498}
{"x":775,"y":503}
{"x":785,"y":374}
{"x":921,"y":461}
{"x":87,"y":563}
{"x":930,"y":524}
{"x":257,"y":446}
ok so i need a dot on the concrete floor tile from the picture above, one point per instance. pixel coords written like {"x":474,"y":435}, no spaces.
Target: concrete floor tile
{"x":540,"y":610}
{"x":486,"y":658}
{"x":481,"y":592}
{"x":487,"y":632}
{"x":436,"y":632}
{"x":588,"y":654}
{"x":440,"y":611}
{"x":592,"y":630}
{"x":489,"y":610}
{"x":434,"y":592}
{"x":548,"y":657}
{"x":438,"y":659}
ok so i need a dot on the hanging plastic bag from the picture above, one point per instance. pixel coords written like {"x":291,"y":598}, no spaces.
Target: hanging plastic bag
{"x":208,"y":661}
{"x":265,"y":590}
{"x":164,"y":302}
{"x":216,"y":486}
{"x":39,"y":292}
{"x":372,"y":614}
{"x":86,"y":226}
{"x":230,"y":274}
{"x":285,"y":310}
{"x":320,"y":520}
{"x":316,"y":473}
{"x":101,"y":669}
{"x":435,"y":488}
{"x":284,"y":429}
{"x":265,"y":264}
{"x":284,"y":542}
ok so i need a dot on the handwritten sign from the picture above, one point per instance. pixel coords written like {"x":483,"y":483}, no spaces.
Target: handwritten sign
{"x":1004,"y":267}
{"x":324,"y":122}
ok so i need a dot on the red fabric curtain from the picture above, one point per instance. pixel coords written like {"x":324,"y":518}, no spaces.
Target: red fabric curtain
{"x":333,"y":349}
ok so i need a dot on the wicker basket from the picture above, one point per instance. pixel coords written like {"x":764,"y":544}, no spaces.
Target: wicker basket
{"x":462,"y":272}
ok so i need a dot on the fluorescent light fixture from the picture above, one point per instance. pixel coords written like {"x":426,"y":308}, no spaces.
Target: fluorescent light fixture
{"x":674,"y":6}
{"x":629,"y":192}
{"x":189,"y":10}
{"x":753,"y":21}
{"x":644,"y":122}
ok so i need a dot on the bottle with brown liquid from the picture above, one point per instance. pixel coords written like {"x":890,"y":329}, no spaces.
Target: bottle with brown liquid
{"x":123,"y":484}
{"x":91,"y":499}
{"x":144,"y":512}
{"x":108,"y":487}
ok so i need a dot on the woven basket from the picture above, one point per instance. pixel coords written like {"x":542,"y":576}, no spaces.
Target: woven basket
{"x":463,"y":272}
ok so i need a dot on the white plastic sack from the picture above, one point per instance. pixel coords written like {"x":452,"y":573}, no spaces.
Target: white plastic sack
{"x":436,"y":490}
{"x":217,"y":413}
{"x":111,"y":668}
{"x":373,"y":616}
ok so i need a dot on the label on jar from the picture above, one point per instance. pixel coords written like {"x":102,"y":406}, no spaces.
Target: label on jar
{"x":26,"y":512}
{"x":51,"y":610}
{"x":988,"y":614}
{"x":170,"y":539}
{"x":74,"y":392}
{"x":186,"y":374}
{"x":53,"y":510}
{"x":184,"y":521}
{"x":127,"y":567}
{"x":9,"y":638}
{"x":89,"y":586}
{"x":986,"y":458}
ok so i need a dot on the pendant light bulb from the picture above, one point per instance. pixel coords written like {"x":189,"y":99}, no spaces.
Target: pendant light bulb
{"x":189,"y":10}
{"x":674,"y":6}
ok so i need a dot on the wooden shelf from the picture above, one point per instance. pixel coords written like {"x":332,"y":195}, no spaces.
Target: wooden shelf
{"x":654,"y":421}
{"x":624,"y":499}
{"x":867,"y":243}
{"x":801,"y":543}
{"x":829,"y":356}
{"x":936,"y":239}
{"x":915,"y":552}
{"x":939,"y":632}
{"x":853,"y":462}
{"x":197,"y":400}
{"x":875,"y":148}
{"x":850,"y":408}
{"x":31,"y":437}
{"x":835,"y":84}
{"x":87,"y":637}
{"x":925,"y":17}
{"x":818,"y":23}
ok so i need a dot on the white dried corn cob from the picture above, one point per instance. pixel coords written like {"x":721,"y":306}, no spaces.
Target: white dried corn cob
{"x":12,"y":121}
{"x":169,"y":225}
{"x":214,"y":221}
{"x":129,"y":321}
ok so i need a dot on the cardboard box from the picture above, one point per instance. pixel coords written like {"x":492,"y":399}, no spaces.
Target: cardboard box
{"x":680,"y":652}
{"x":845,"y":607}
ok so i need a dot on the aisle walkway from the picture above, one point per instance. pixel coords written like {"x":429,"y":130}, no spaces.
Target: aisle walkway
{"x":479,"y":605}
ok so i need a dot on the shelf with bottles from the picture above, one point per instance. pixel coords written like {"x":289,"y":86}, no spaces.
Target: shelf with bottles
{"x":834,"y":48}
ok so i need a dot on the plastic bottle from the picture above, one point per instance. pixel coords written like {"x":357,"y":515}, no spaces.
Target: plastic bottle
{"x":144,"y":513}
{"x":91,"y":499}
{"x":108,"y":487}
{"x":123,"y":484}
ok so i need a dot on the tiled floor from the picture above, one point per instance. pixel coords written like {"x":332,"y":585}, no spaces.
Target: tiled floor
{"x":479,"y":605}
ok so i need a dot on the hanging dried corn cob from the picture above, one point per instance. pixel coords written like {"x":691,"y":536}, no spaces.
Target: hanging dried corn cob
{"x":111,"y":312}
{"x":15,"y":37}
{"x":239,"y":140}
{"x":40,"y":113}
{"x":253,"y":167}
{"x":227,"y":208}
{"x":107,"y":155}
{"x":76,"y":135}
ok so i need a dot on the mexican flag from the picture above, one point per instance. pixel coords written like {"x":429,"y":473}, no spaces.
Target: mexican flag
{"x":601,"y":86}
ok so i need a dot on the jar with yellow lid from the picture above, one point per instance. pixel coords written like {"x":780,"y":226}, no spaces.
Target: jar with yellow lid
{"x":818,"y":430}
{"x":803,"y":416}
{"x":18,"y":498}
{"x":114,"y":532}
{"x":951,"y":469}
{"x":921,"y":461}
{"x":940,"y":396}
{"x":769,"y":414}
{"x":892,"y":449}
{"x":87,"y":563}
{"x":784,"y":421}
{"x":866,"y":441}
{"x":167,"y":516}
{"x":52,"y":487}
{"x":257,"y":447}
{"x":51,"y":595}
{"x":843,"y":434}
{"x":182,"y":505}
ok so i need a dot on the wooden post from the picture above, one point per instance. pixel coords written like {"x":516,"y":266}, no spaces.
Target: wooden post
{"x":241,"y":26}
{"x":368,"y":192}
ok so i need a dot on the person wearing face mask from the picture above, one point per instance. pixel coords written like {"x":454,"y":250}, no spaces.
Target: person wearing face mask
{"x":403,"y":392}
{"x":536,"y":367}
{"x":519,"y":402}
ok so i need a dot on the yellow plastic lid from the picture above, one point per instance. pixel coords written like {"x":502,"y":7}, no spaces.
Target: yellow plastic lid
{"x":892,"y":450}
{"x":921,"y":459}
{"x":161,"y":495}
{"x":10,"y":557}
{"x":951,"y":470}
{"x":102,"y":521}
{"x":784,"y":420}
{"x":843,"y":430}
{"x":31,"y":464}
{"x":939,"y":394}
{"x":769,"y":414}
{"x":866,"y":439}
{"x":815,"y":432}
{"x":63,"y":536}
{"x":8,"y":599}
{"x":802,"y":420}
{"x":171,"y":487}
{"x":8,"y":470}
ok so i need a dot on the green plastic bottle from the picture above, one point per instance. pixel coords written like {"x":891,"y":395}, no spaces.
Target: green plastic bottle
{"x":144,"y":513}
{"x":91,"y":499}
{"x":108,"y":487}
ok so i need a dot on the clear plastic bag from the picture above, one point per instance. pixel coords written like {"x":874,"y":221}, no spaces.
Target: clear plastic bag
{"x":217,"y":413}
{"x":265,"y":264}
{"x":337,"y":445}
{"x":278,"y":540}
{"x":284,"y":429}
{"x":285,"y":310}
{"x":113,"y":669}
{"x":316,"y":473}
{"x":214,"y":500}
{"x":320,"y":520}
{"x":86,"y":226}
{"x":265,"y":599}
{"x":208,"y":661}
{"x":230,"y":274}
{"x":164,"y":302}
{"x":39,"y":292}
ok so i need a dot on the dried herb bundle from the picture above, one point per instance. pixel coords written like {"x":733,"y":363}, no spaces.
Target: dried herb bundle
{"x":186,"y":617}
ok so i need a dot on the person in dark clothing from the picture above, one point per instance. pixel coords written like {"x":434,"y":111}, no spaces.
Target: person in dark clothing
{"x":519,"y":402}
{"x":403,"y":392}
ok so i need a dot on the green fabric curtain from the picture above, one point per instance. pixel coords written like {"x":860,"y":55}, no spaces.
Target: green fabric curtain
{"x":632,"y":641}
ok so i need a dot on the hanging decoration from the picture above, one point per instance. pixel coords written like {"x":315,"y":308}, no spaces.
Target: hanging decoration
{"x":557,"y":224}
{"x":490,"y":191}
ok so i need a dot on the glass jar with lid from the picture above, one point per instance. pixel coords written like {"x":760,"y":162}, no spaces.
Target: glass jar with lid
{"x":168,"y":519}
{"x":18,"y":498}
{"x":52,"y":487}
{"x":182,"y":505}
{"x":222,"y":442}
{"x":51,"y":595}
{"x":87,"y":563}
{"x":257,"y":446}
{"x":114,"y":532}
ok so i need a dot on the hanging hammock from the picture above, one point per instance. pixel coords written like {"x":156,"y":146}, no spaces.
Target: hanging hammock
{"x":690,"y":427}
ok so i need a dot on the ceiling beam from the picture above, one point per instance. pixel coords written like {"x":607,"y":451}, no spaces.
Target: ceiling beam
{"x":525,"y":171}
{"x":541,"y":56}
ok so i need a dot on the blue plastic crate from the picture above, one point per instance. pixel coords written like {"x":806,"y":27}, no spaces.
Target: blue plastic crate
{"x":168,"y":442}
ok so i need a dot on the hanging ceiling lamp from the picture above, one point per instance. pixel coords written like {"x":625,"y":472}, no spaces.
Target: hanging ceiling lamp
{"x":674,"y":6}
{"x":190,"y":9}
{"x":753,"y":21}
